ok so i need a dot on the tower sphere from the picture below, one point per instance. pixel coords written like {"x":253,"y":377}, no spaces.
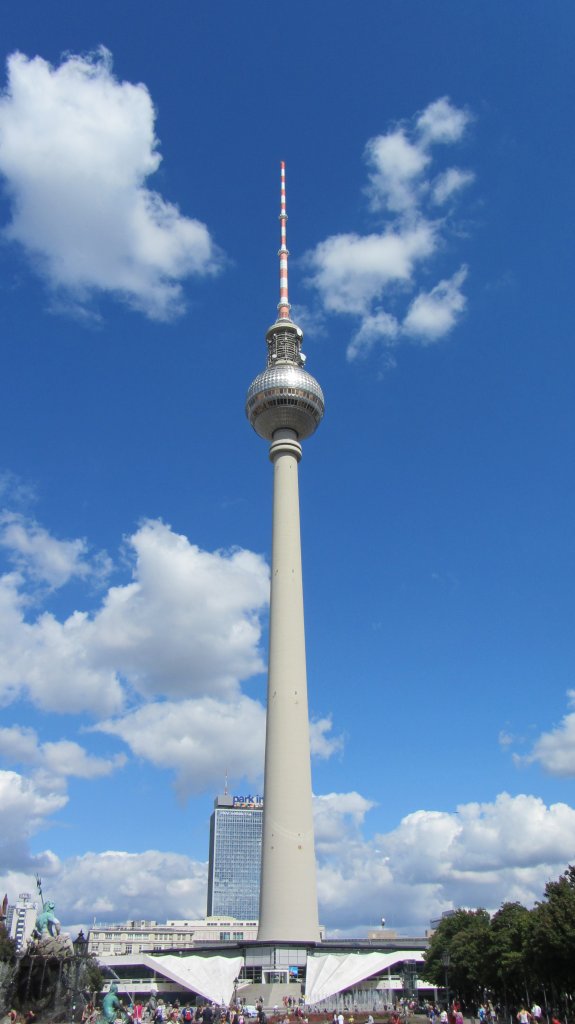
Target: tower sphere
{"x":284,"y":395}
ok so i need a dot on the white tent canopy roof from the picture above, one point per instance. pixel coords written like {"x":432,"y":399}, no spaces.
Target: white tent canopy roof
{"x":334,"y":972}
{"x":210,"y":976}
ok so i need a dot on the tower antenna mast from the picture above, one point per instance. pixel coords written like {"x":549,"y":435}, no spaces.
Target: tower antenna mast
{"x":283,"y":305}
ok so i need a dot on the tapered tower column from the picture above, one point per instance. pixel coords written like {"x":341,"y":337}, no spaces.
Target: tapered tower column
{"x":285,"y":405}
{"x":288,"y":894}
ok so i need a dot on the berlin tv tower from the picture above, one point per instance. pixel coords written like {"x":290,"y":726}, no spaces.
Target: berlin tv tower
{"x":285,"y":405}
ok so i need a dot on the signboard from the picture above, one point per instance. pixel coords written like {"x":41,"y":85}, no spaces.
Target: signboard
{"x":248,"y":801}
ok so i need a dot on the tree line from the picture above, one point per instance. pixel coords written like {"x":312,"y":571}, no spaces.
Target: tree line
{"x":514,"y":957}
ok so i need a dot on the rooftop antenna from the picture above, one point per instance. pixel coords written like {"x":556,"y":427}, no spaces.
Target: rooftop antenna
{"x":283,"y":305}
{"x":226,"y":783}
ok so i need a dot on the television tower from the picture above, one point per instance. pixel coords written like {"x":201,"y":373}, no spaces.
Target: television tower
{"x":285,"y":405}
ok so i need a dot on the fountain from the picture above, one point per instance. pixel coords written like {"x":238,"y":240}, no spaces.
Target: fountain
{"x":52,"y":979}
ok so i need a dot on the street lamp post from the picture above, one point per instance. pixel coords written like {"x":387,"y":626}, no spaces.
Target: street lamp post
{"x":446,"y":960}
{"x":80,"y":945}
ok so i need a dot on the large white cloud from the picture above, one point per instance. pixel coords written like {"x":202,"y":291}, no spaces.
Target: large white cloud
{"x":374,"y":276}
{"x":76,"y":149}
{"x":199,"y":740}
{"x":188,"y":624}
{"x":159,"y":662}
{"x":116,"y":886}
{"x":432,"y":861}
{"x":50,"y":661}
{"x":352,"y":271}
{"x":437,"y":860}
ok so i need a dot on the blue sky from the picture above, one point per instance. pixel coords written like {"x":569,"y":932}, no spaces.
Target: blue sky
{"x":429,"y":179}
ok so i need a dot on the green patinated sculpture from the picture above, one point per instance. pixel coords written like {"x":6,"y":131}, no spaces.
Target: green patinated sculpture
{"x":111,"y":1005}
{"x":47,"y":923}
{"x":47,"y":937}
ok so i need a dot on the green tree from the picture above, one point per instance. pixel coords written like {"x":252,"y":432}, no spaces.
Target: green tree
{"x":508,"y":963}
{"x":464,"y":936}
{"x":7,"y":947}
{"x":92,"y":976}
{"x":551,"y":942}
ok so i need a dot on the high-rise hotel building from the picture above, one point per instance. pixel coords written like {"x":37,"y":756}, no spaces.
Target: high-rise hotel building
{"x":21,"y":919}
{"x":235,"y":857}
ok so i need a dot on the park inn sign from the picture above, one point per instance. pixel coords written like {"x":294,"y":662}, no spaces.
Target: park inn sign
{"x":248,"y":801}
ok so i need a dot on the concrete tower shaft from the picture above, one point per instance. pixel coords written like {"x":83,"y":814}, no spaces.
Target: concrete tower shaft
{"x":285,"y":404}
{"x":288,"y":892}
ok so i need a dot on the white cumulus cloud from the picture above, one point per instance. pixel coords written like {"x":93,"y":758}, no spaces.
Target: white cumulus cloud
{"x":323,"y":744}
{"x":115,"y":885}
{"x":374,"y":277}
{"x":190,"y":622}
{"x":50,"y":661}
{"x":336,"y":815}
{"x":351,"y":271}
{"x":442,"y":122}
{"x":45,"y":558}
{"x":28,"y":802}
{"x":433,"y":314}
{"x":199,"y":740}
{"x":159,"y":661}
{"x":555,"y":750}
{"x":60,"y":759}
{"x":187,"y":624}
{"x":378,"y":326}
{"x":25,"y":805}
{"x":449,"y":182}
{"x":77,"y":147}
{"x":397,"y":167}
{"x":432,"y":861}
{"x":437,"y":860}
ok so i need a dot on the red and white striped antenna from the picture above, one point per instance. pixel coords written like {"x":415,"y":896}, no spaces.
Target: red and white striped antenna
{"x":283,"y":304}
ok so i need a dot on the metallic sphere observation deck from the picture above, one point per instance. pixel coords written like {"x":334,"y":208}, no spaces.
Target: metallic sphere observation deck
{"x":285,"y":395}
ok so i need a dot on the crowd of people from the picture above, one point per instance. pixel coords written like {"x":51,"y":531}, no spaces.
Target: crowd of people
{"x":487,"y":1013}
{"x":157,"y":1011}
